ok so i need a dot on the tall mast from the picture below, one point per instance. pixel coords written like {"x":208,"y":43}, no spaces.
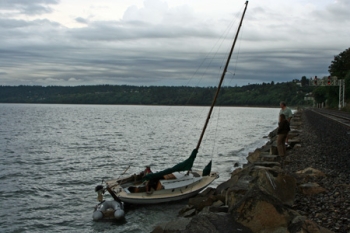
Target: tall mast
{"x":222,"y":78}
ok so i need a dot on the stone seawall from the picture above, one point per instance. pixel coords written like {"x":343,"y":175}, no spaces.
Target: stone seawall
{"x":297,"y":193}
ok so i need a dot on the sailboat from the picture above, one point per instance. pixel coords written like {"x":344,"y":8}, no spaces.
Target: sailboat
{"x":172,"y":184}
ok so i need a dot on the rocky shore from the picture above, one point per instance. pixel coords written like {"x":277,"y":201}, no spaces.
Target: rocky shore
{"x":307,"y":191}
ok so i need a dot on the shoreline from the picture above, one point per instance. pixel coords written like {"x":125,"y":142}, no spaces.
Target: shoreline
{"x":300,"y":193}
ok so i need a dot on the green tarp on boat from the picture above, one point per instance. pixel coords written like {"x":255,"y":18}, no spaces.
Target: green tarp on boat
{"x":183,"y":166}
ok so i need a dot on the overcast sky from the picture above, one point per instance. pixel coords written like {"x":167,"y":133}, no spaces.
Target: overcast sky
{"x":168,"y":42}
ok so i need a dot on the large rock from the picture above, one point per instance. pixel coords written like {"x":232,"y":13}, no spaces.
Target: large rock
{"x":236,"y":171}
{"x":199,"y":202}
{"x":296,"y":123}
{"x":276,"y":183}
{"x":301,"y":224}
{"x":187,"y":211}
{"x":254,"y":156}
{"x":265,"y":148}
{"x":235,"y":193}
{"x":215,"y":223}
{"x":178,"y":225}
{"x":268,"y":157}
{"x":294,"y":141}
{"x":223,"y":187}
{"x":311,"y":189}
{"x":266,"y":164}
{"x":293,"y":134}
{"x":262,"y":213}
{"x":208,"y":191}
{"x":274,"y":150}
{"x":203,"y":223}
{"x":268,"y":176}
{"x":312,"y":172}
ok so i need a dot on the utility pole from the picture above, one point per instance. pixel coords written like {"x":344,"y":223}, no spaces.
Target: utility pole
{"x":341,"y":83}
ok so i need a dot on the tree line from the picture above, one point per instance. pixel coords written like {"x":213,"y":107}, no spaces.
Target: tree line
{"x":265,"y":94}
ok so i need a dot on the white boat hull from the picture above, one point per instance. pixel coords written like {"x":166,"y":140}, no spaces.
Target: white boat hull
{"x":171,"y":190}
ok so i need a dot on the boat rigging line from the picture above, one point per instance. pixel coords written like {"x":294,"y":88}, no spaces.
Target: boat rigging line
{"x":221,"y":79}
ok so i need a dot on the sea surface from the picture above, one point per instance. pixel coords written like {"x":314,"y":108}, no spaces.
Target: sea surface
{"x":53,"y":156}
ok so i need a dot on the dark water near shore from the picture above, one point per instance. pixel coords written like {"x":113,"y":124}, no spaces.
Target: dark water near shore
{"x":52,"y":157}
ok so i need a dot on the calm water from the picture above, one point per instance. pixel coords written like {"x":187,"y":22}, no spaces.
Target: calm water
{"x":52,"y":157}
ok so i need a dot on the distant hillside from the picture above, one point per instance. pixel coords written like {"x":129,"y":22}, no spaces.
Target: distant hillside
{"x":269,"y":94}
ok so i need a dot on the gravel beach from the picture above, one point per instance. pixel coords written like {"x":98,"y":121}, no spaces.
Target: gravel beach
{"x":325,"y":145}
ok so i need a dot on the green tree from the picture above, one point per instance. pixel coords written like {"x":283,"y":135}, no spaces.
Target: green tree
{"x":304,"y":81}
{"x":340,"y":66}
{"x":320,"y":94}
{"x":333,"y":97}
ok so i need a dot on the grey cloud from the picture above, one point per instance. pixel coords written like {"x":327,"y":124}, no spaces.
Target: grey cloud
{"x":115,"y":31}
{"x":31,"y":7}
{"x":12,"y":23}
{"x":19,"y":34}
{"x":17,"y":24}
{"x":338,"y":11}
{"x":81,"y":20}
{"x":101,"y":66}
{"x":169,"y":51}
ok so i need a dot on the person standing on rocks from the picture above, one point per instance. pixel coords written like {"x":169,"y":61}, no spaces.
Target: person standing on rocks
{"x":282,"y":132}
{"x":287,"y":112}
